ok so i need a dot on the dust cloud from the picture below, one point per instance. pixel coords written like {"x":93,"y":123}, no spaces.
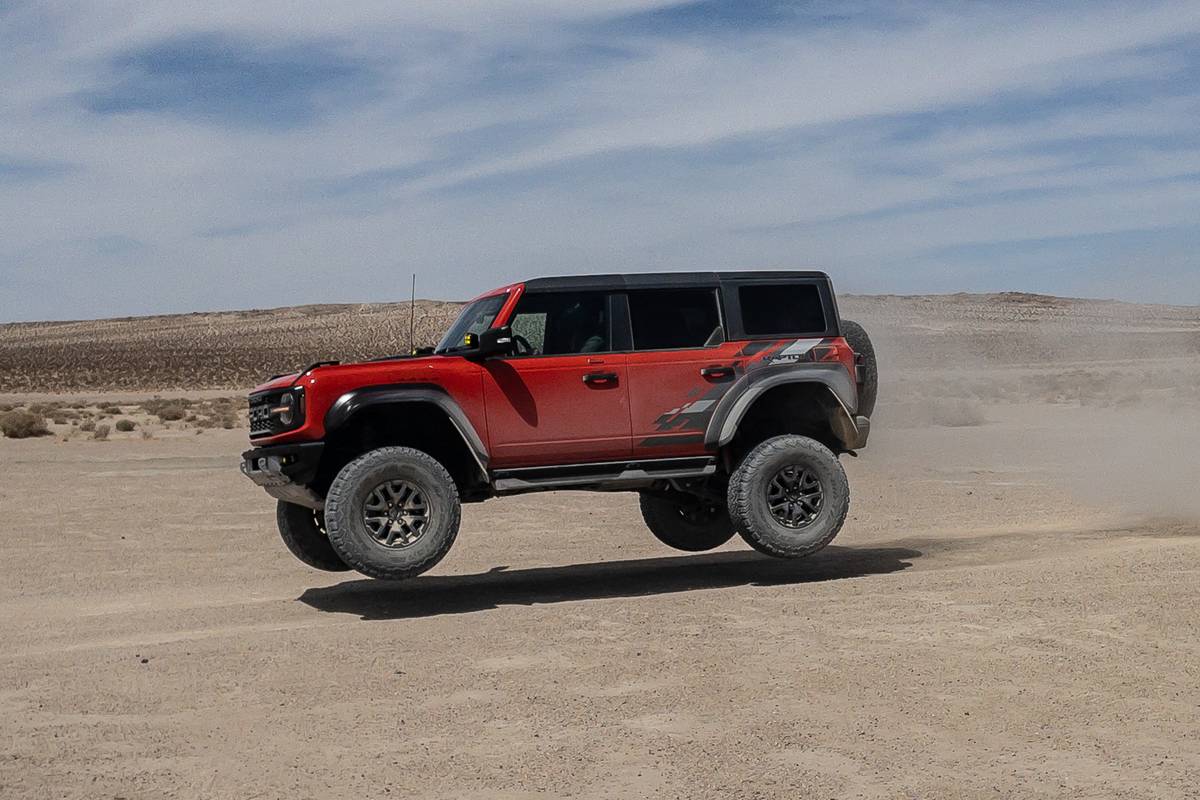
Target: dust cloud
{"x":1101,"y":398}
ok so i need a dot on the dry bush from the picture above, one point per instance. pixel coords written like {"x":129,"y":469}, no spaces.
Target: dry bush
{"x":88,"y":425}
{"x":101,"y":432}
{"x":171,"y":412}
{"x":126,"y":425}
{"x":60,"y":420}
{"x":23,"y":425}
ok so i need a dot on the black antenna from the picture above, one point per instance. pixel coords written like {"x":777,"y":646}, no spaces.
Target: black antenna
{"x":412,"y":316}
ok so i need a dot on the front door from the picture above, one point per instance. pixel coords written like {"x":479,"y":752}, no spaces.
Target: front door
{"x":562,"y":397}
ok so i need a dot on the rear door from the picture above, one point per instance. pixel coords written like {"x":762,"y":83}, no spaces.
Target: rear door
{"x":563,"y":398}
{"x":680,"y":366}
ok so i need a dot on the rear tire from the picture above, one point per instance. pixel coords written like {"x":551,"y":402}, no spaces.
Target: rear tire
{"x":868,"y":388}
{"x":393,"y":513}
{"x":789,"y":497}
{"x":303,"y":531}
{"x":692,"y":529}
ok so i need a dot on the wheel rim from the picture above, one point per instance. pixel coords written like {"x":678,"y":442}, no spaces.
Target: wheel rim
{"x":795,"y":496}
{"x":396,"y":514}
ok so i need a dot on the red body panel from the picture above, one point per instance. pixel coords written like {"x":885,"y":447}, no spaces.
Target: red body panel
{"x":670,"y":402}
{"x":541,"y":411}
{"x":458,"y":377}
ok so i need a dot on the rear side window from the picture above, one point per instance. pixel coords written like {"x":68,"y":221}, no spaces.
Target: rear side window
{"x":781,"y":308}
{"x":671,"y":319}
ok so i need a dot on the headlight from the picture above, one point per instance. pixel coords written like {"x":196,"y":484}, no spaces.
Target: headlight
{"x":287,"y":410}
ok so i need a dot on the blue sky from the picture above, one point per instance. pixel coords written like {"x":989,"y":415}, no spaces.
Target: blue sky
{"x":191,"y":156}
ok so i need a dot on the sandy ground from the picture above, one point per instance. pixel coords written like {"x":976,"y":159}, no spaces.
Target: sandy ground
{"x":1004,"y":615}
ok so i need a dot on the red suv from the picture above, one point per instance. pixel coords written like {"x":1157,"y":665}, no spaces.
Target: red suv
{"x":723,"y":398}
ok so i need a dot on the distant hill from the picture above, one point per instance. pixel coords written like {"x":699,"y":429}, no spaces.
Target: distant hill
{"x":236,"y":349}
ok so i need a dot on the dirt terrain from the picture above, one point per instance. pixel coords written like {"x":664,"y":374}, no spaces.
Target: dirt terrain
{"x":1010,"y":611}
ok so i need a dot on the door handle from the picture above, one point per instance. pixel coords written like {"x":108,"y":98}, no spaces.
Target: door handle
{"x":716,"y":373}
{"x":600,"y":377}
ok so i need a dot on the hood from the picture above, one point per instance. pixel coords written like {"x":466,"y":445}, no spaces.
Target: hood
{"x":278,"y":382}
{"x":331,"y":369}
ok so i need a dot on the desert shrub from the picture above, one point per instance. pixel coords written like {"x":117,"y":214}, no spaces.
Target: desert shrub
{"x":159,"y":405}
{"x":23,"y":424}
{"x":228,"y":421}
{"x":111,"y":410}
{"x":126,"y":425}
{"x":43,"y":409}
{"x":171,"y":412}
{"x":88,"y":425}
{"x":60,"y":420}
{"x":5,"y":408}
{"x":146,"y":434}
{"x":101,"y":432}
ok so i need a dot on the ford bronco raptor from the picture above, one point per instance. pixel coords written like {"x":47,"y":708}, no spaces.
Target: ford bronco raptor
{"x":723,"y":398}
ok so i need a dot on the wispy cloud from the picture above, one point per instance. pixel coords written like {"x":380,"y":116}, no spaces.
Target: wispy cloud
{"x":226,"y":79}
{"x":900,"y":146}
{"x":20,"y":170}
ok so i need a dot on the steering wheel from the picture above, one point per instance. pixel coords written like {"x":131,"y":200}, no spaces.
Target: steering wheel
{"x":522,"y":345}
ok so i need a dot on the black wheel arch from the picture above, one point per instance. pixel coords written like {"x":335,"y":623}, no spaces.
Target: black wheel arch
{"x":422,"y":416}
{"x":767,"y":399}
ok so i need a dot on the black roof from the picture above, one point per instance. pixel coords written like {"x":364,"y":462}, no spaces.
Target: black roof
{"x":648,"y":280}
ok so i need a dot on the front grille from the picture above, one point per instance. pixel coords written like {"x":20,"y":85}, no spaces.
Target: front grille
{"x":260,"y":419}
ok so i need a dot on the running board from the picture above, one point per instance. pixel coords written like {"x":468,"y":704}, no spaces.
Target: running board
{"x":604,"y":476}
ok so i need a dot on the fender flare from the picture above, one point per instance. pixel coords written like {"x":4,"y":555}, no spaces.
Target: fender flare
{"x":732,"y":407}
{"x":354,"y":401}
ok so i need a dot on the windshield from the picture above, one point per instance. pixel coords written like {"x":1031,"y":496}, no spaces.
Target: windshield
{"x":475,"y":318}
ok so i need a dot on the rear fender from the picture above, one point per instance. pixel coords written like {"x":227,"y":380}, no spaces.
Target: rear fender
{"x":740,"y":398}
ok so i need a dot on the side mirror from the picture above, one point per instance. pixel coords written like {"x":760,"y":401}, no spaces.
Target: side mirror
{"x":492,"y":342}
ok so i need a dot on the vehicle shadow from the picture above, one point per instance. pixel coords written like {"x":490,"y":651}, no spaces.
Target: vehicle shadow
{"x":460,"y":594}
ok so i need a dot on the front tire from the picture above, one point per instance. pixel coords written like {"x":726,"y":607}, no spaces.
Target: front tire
{"x":303,"y":531}
{"x":789,"y":497}
{"x":393,"y":513}
{"x":693,"y":527}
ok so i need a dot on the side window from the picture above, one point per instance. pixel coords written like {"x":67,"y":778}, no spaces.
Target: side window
{"x":673,"y":319}
{"x":561,"y":323}
{"x":781,"y":308}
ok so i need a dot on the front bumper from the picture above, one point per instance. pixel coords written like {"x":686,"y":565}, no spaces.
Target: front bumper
{"x":285,"y":471}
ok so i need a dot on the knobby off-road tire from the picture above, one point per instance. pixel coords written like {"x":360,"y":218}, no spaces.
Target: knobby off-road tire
{"x":303,"y":531}
{"x":763,"y":479}
{"x":856,"y":336}
{"x":357,"y":512}
{"x":693,"y":529}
